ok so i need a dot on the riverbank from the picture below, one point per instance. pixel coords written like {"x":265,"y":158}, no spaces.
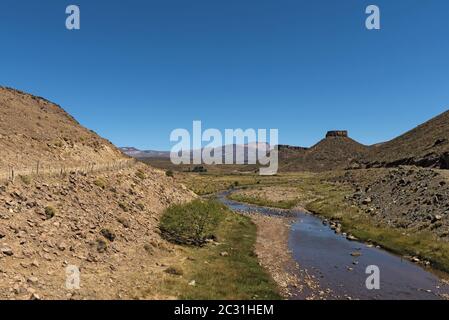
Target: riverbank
{"x":328,"y":200}
{"x":340,"y":264}
{"x":226,"y":268}
{"x":275,"y":256}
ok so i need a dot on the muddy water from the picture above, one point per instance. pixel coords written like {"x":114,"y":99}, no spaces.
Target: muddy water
{"x":327,"y":256}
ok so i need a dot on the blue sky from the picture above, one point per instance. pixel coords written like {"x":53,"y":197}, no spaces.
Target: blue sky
{"x":139,"y":69}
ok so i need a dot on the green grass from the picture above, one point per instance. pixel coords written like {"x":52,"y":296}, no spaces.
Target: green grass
{"x":319,"y":196}
{"x":331,"y":205}
{"x":283,"y":204}
{"x":237,"y":275}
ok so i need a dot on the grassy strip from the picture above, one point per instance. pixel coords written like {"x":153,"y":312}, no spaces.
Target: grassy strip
{"x":229,"y":270}
{"x":283,"y":204}
{"x":327,"y":200}
{"x":205,"y":184}
{"x":332,"y":205}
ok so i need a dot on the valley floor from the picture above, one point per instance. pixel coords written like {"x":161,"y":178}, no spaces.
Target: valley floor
{"x":404,"y":210}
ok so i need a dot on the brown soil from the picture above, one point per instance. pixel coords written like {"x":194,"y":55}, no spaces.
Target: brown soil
{"x":34,"y":130}
{"x":427,"y":145}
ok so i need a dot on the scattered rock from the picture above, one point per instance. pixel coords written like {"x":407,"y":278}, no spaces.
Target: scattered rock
{"x":192,"y":283}
{"x":7,"y":251}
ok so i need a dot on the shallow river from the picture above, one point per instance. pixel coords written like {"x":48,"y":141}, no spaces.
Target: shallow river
{"x":327,"y":256}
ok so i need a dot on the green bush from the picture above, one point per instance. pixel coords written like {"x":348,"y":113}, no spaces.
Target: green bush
{"x":192,"y":223}
{"x":25,"y":179}
{"x":169,"y":173}
{"x":140,"y":174}
{"x":50,"y":212}
{"x":100,"y":183}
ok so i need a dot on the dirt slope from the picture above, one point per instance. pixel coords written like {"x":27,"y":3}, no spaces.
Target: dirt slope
{"x":33,"y":129}
{"x":104,"y":224}
{"x":427,"y":145}
{"x":333,"y":152}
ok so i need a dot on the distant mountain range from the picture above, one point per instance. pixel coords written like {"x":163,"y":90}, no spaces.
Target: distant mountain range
{"x":142,"y":154}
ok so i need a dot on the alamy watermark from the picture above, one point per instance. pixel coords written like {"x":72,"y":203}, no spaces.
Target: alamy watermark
{"x":239,"y":146}
{"x":372,"y":22}
{"x":373,"y":280}
{"x":73,"y":21}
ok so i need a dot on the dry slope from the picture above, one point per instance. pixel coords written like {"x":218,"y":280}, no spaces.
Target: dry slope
{"x":333,"y":152}
{"x":33,"y":129}
{"x":427,"y":146}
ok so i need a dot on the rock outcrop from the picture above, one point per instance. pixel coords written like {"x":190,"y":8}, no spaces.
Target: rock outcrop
{"x":337,"y":133}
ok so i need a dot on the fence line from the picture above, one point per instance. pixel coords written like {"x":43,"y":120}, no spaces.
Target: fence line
{"x":41,"y":169}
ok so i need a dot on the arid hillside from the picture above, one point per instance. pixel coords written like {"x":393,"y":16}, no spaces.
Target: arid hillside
{"x":33,"y":129}
{"x":333,"y":152}
{"x":104,"y":222}
{"x":427,"y":146}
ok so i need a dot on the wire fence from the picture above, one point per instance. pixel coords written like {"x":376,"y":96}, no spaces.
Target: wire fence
{"x":60,"y":170}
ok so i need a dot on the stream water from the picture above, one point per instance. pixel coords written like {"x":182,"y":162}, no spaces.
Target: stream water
{"x":327,"y":256}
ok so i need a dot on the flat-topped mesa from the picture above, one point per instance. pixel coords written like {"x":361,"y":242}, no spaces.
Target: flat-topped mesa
{"x":337,"y":133}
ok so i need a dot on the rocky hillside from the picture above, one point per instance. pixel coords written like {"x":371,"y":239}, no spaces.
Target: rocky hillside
{"x":336,"y":151}
{"x":106,"y":225}
{"x":425,"y":146}
{"x":34,"y":129}
{"x":410,"y":198}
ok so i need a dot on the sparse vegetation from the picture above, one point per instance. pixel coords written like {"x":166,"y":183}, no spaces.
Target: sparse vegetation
{"x":100,"y":183}
{"x":176,"y":271}
{"x":123,"y":206}
{"x":102,"y":246}
{"x":50,"y":212}
{"x":140,"y":174}
{"x":25,"y":179}
{"x":283,"y":204}
{"x":108,"y":234}
{"x":169,"y":173}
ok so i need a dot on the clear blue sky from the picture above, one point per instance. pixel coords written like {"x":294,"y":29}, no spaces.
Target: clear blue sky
{"x":138,"y":69}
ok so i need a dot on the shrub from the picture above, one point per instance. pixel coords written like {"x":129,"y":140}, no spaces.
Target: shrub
{"x":174,"y":271}
{"x":25,"y":179}
{"x":50,"y":212}
{"x":169,"y":173}
{"x":102,"y":246}
{"x":140,"y":174}
{"x":123,"y":206}
{"x":191,"y":223}
{"x":100,"y":183}
{"x":108,"y":234}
